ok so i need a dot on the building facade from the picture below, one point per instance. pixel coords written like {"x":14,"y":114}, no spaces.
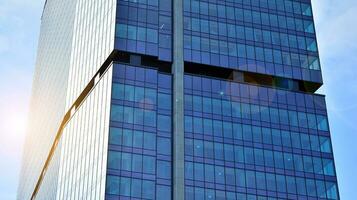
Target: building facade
{"x":178,"y":99}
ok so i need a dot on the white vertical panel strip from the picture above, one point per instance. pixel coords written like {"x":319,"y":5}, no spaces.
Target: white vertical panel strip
{"x":83,"y":30}
{"x":104,"y":137}
{"x":49,"y":188}
{"x":49,"y":92}
{"x":85,"y":138}
{"x":95,"y":141}
{"x":96,"y":144}
{"x":90,"y":46}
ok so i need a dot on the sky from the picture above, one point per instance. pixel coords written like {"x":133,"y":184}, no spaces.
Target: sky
{"x":336,"y":26}
{"x":19,"y":31}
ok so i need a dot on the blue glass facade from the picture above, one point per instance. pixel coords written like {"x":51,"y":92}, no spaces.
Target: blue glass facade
{"x":145,"y":27}
{"x":140,"y":141}
{"x":179,"y":99}
{"x":251,"y":142}
{"x":139,"y":157}
{"x":275,"y":37}
{"x":242,"y":140}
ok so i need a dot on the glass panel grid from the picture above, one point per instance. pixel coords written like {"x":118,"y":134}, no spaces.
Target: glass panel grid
{"x":139,"y":158}
{"x":273,"y":37}
{"x":249,"y":142}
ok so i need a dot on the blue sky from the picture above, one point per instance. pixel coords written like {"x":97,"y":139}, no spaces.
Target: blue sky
{"x":337,"y":37}
{"x":19,"y":29}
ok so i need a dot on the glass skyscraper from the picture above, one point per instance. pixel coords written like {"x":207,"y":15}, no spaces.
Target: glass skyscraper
{"x":178,"y":99}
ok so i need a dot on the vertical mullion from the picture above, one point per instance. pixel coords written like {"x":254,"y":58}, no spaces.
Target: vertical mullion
{"x":178,"y":101}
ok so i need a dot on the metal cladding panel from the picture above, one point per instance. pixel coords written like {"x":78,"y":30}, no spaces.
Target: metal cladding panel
{"x":76,"y":39}
{"x":49,"y":186}
{"x":84,"y":146}
{"x":93,"y":41}
{"x":49,"y":91}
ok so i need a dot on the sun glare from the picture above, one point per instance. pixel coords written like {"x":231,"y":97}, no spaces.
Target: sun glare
{"x":12,"y":130}
{"x":16,"y":123}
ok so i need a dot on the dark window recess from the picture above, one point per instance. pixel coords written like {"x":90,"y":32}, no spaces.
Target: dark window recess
{"x":259,"y":79}
{"x":309,"y":86}
{"x":142,"y":60}
{"x":122,"y":57}
{"x":135,"y":60}
{"x":251,"y":78}
{"x":151,"y":61}
{"x":208,"y":70}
